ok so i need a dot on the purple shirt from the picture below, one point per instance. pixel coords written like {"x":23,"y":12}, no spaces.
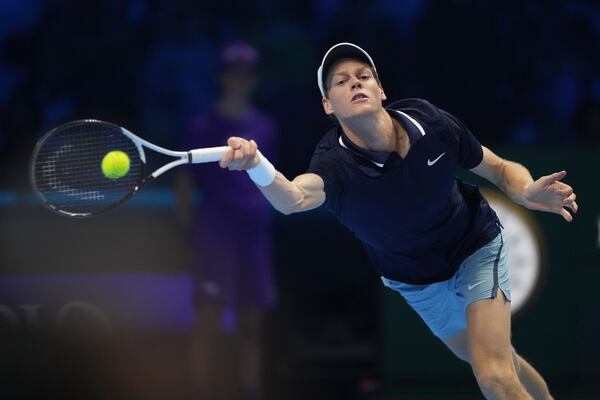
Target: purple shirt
{"x":232,"y":236}
{"x":227,"y":192}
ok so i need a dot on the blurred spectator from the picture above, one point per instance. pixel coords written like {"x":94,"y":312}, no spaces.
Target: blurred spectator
{"x":231,"y":237}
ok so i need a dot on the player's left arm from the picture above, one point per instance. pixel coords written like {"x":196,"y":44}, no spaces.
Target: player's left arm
{"x":547,"y":193}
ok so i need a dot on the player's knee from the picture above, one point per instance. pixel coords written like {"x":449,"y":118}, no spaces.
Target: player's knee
{"x":496,"y":379}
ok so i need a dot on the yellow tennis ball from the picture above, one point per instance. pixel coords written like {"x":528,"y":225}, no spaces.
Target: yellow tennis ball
{"x":115,"y":164}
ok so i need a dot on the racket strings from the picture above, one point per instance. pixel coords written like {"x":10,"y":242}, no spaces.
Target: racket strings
{"x":67,"y":168}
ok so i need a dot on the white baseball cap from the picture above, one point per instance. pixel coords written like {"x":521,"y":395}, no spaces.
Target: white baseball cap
{"x":339,"y":51}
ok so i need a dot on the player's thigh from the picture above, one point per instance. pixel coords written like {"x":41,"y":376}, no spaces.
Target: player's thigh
{"x":488,"y":332}
{"x":458,"y":345}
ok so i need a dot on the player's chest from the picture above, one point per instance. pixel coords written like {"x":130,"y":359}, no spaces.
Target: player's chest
{"x":417,"y":185}
{"x":416,"y":172}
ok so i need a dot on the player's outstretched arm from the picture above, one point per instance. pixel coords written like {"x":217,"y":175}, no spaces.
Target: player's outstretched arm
{"x":547,"y":193}
{"x":303,"y":193}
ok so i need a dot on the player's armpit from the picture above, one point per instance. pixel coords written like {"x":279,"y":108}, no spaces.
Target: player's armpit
{"x":303,"y":193}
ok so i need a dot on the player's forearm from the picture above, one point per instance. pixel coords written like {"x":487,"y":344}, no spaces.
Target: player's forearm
{"x":513,"y":179}
{"x":305,"y":192}
{"x":287,"y":196}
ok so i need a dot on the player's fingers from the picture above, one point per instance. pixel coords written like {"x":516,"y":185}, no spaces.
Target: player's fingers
{"x":234,"y":142}
{"x":562,"y":189}
{"x":248,"y":155}
{"x":253,"y":151}
{"x":250,"y":152}
{"x":238,"y":158}
{"x":226,"y":160}
{"x":566,"y":192}
{"x":570,"y":198}
{"x":242,"y":158}
{"x":255,"y":157}
{"x":573,"y":206}
{"x":568,"y":202}
{"x":565,"y":214}
{"x":247,"y":148}
{"x":254,"y":148}
{"x":550,"y":179}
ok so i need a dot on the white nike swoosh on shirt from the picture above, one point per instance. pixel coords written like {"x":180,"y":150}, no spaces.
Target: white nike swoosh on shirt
{"x":430,"y":163}
{"x":475,"y":284}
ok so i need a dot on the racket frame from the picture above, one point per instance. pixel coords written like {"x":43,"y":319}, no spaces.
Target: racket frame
{"x":195,"y":156}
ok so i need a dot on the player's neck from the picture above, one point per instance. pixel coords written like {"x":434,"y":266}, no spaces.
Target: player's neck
{"x":372,"y":132}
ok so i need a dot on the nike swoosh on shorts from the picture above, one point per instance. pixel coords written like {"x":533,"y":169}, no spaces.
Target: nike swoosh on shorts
{"x":471,"y":287}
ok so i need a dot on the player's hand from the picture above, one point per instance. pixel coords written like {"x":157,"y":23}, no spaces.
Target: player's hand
{"x":551,"y":195}
{"x":242,"y":156}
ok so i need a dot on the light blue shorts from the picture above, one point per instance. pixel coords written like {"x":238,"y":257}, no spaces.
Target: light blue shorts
{"x":443,"y":305}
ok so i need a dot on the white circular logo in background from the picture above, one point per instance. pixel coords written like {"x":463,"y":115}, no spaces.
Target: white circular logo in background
{"x":524,"y":244}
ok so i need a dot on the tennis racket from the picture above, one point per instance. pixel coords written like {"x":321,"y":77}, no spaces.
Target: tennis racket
{"x":67,"y":173}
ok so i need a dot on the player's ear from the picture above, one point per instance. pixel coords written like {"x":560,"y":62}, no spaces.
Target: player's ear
{"x":383,"y":96}
{"x":327,"y":106}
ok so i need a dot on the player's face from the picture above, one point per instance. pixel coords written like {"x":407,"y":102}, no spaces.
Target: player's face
{"x":353,"y":90}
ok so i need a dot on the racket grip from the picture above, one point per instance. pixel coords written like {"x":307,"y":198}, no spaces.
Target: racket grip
{"x":210,"y":154}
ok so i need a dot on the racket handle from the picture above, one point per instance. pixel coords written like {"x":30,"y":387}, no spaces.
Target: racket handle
{"x":210,"y":154}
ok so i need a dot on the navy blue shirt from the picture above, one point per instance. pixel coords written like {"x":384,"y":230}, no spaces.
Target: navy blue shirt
{"x":417,"y":221}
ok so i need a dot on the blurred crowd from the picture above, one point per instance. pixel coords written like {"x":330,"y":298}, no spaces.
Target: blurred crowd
{"x":518,"y":73}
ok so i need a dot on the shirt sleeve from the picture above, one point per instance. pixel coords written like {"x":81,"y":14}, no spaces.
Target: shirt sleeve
{"x":468,"y":148}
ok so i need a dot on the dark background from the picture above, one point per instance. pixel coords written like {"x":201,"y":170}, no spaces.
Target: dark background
{"x":523,"y":75}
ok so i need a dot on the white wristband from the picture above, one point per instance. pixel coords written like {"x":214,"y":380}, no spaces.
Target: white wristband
{"x":264,"y":172}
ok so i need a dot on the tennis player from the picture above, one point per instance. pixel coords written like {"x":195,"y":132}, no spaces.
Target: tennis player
{"x":388,"y":174}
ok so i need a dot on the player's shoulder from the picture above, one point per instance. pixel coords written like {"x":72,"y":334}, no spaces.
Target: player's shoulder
{"x":418,"y":108}
{"x":328,"y":154}
{"x":433,"y":119}
{"x":329,"y":142}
